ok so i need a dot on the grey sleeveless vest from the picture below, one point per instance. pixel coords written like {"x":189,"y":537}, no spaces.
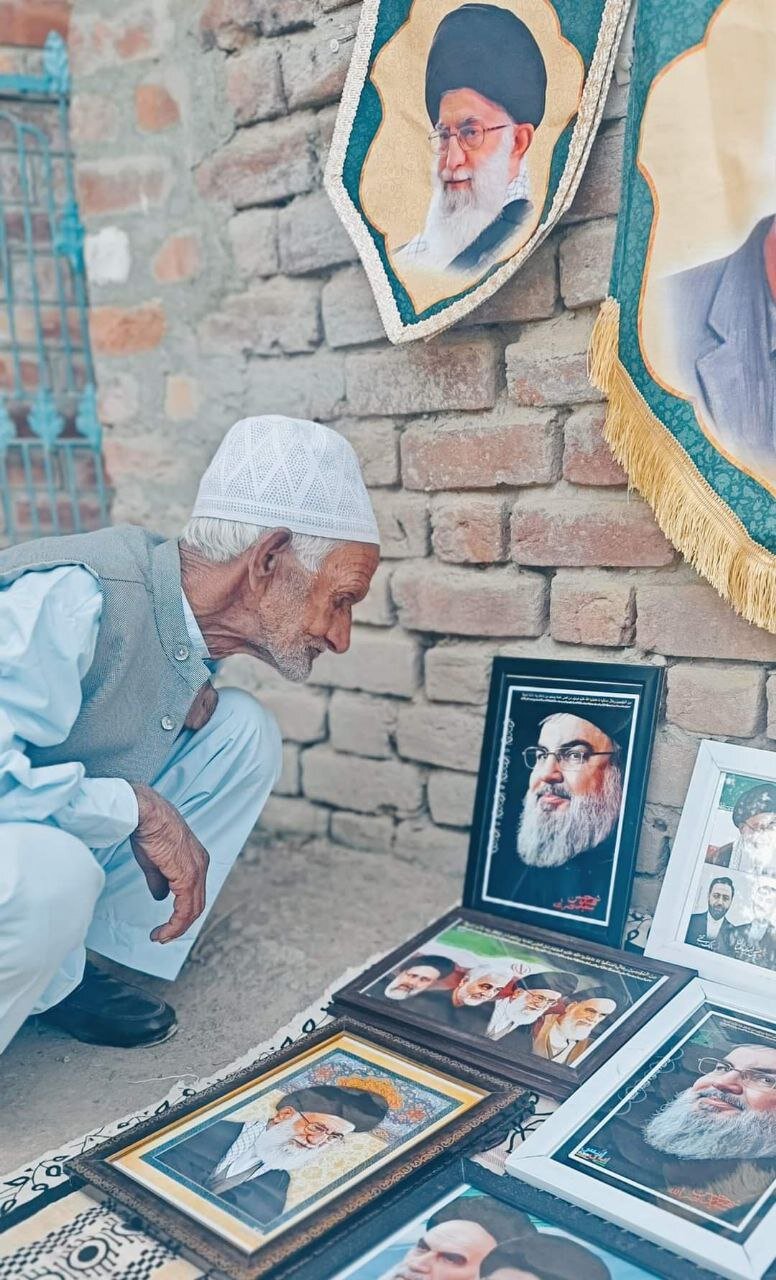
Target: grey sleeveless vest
{"x":143,"y":678}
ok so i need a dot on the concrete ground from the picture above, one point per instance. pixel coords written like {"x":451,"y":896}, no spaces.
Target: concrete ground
{"x":290,"y":919}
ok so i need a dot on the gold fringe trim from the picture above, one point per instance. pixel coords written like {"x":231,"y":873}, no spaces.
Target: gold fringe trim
{"x":690,"y":514}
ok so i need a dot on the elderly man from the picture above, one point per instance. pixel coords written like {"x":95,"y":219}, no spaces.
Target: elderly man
{"x":124,"y":777}
{"x":459,"y":1236}
{"x":754,"y":849}
{"x":485,"y":90}
{"x":567,"y":833}
{"x":250,"y":1166}
{"x":565,"y":1036}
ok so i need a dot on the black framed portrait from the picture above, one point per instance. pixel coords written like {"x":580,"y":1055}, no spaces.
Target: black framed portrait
{"x":255,"y":1168}
{"x":544,"y":1010}
{"x":463,"y":1220}
{"x":560,"y":793}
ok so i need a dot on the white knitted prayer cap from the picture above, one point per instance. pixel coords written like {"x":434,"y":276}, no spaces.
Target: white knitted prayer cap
{"x":288,"y":473}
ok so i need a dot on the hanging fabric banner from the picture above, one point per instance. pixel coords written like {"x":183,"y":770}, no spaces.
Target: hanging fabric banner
{"x":685,"y":348}
{"x":461,"y":138}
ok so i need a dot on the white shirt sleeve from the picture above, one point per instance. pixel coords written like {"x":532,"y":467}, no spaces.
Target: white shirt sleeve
{"x":49,"y":622}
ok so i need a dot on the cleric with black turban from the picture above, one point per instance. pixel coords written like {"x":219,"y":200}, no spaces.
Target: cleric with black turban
{"x":250,"y":1165}
{"x":485,"y":95}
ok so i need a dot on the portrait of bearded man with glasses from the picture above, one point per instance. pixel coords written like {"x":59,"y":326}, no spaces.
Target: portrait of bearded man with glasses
{"x":710,"y":1145}
{"x":563,"y":858}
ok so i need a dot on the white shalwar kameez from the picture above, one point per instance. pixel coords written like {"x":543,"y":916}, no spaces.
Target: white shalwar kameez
{"x":68,"y":877}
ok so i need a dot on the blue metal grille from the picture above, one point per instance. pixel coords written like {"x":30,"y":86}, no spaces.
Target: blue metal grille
{"x":51,"y":470}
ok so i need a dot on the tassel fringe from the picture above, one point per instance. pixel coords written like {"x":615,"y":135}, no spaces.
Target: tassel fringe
{"x":708,"y":534}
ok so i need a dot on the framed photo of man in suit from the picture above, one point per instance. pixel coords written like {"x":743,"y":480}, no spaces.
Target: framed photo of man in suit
{"x":674,"y":1136}
{"x":717,"y":907}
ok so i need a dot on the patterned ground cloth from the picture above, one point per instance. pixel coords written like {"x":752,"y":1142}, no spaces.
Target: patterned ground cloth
{"x":51,"y":1232}
{"x":48,"y":1231}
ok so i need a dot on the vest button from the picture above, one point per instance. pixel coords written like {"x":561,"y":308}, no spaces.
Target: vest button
{"x":168,"y":723}
{"x":181,"y":653}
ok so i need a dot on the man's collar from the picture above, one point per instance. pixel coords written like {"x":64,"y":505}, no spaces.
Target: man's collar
{"x":192,"y":626}
{"x":519,"y":188}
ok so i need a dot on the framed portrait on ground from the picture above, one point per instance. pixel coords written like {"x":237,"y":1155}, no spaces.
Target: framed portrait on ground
{"x":717,"y":907}
{"x":543,"y":1010}
{"x":676,"y":1134}
{"x":269,"y":1160}
{"x":465,"y":1223}
{"x":560,"y":794}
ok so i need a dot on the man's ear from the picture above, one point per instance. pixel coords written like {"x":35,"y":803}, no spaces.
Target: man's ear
{"x":284,"y":1113}
{"x":523,"y":137}
{"x":263,"y":554}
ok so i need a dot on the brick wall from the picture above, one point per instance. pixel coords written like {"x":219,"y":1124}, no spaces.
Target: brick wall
{"x":223,"y":284}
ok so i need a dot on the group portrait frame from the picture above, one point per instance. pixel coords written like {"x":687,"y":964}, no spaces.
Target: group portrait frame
{"x":546,"y":974}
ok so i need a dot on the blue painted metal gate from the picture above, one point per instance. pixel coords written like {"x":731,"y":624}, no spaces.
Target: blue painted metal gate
{"x":51,"y":470}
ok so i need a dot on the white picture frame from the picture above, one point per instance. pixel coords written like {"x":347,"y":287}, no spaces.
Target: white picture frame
{"x":688,"y":872}
{"x":537,"y":1161}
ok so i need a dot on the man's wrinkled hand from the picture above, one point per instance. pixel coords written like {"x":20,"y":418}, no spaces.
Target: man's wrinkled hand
{"x":171,"y":859}
{"x":202,"y":707}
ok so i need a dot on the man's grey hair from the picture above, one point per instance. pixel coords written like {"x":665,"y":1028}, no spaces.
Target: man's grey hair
{"x":223,"y":540}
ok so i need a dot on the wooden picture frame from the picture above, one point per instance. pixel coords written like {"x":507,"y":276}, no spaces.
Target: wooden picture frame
{"x":556,"y":1079}
{"x":696,"y":864}
{"x":487,"y":1105}
{"x":598,"y":1151}
{"x":348,"y":1254}
{"x":587,"y":895}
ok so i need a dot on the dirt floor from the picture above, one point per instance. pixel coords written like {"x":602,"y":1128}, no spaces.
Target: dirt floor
{"x":292,"y":917}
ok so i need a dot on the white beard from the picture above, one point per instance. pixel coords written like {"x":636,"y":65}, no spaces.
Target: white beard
{"x":754,"y":853}
{"x":575,"y":1031}
{"x":507,"y":1016}
{"x":392,"y":992}
{"x":274,"y":1144}
{"x":455,"y":218}
{"x":550,"y":839}
{"x":681,"y":1129}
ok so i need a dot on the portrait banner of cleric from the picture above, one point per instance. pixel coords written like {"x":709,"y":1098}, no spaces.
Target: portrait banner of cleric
{"x":485,"y":90}
{"x":560,"y":798}
{"x":128,"y":783}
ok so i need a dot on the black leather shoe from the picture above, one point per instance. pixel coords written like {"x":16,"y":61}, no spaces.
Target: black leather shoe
{"x":104,"y":1010}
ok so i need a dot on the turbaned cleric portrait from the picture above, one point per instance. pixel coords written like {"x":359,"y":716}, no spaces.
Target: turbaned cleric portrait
{"x":555,"y":844}
{"x":485,"y":91}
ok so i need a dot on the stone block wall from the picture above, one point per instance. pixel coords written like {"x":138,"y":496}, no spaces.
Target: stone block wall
{"x":222,"y":285}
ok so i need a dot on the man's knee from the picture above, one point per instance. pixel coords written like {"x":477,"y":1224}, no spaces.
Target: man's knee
{"x":254,"y":732}
{"x":49,"y":886}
